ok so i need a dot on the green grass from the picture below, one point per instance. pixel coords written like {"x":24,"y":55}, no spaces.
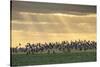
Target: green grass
{"x":39,"y":59}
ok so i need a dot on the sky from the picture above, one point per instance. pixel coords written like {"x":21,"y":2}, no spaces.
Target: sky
{"x":35,"y":22}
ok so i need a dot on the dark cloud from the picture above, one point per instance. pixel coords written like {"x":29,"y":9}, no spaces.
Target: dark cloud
{"x":38,"y":7}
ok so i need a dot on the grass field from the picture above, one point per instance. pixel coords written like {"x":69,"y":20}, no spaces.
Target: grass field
{"x":40,"y":59}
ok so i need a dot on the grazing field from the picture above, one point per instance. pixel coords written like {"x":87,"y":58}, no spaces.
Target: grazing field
{"x":40,"y":59}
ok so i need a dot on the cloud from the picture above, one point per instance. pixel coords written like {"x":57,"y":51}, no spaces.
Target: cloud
{"x":38,"y":7}
{"x":55,"y":22}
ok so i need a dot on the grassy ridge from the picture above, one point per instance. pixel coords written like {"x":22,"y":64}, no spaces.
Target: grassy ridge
{"x":38,"y":59}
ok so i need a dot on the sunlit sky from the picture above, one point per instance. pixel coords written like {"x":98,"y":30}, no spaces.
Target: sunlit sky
{"x":48,"y":22}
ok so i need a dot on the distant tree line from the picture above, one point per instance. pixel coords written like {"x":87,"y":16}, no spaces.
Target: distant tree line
{"x":57,"y":47}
